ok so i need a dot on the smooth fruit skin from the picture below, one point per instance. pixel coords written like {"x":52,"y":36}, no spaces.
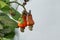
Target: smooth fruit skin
{"x":24,"y":24}
{"x":30,"y":20}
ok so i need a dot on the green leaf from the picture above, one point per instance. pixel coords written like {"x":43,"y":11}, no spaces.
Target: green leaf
{"x":10,"y":35}
{"x":5,"y":9}
{"x":6,"y":1}
{"x":6,"y":39}
{"x":8,"y":23}
{"x":17,"y":14}
{"x":2,"y":4}
{"x":8,"y":26}
{"x":1,"y":27}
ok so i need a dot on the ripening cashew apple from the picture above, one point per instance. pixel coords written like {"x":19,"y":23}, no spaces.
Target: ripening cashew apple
{"x":22,"y":22}
{"x":30,"y":21}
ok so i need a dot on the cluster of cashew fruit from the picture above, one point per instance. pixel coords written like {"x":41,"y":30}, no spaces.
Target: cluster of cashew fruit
{"x":25,"y":20}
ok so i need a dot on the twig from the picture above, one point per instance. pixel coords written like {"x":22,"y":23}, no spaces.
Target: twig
{"x":18,"y":4}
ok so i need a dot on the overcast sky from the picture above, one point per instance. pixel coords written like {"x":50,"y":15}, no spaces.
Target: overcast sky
{"x":46,"y":14}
